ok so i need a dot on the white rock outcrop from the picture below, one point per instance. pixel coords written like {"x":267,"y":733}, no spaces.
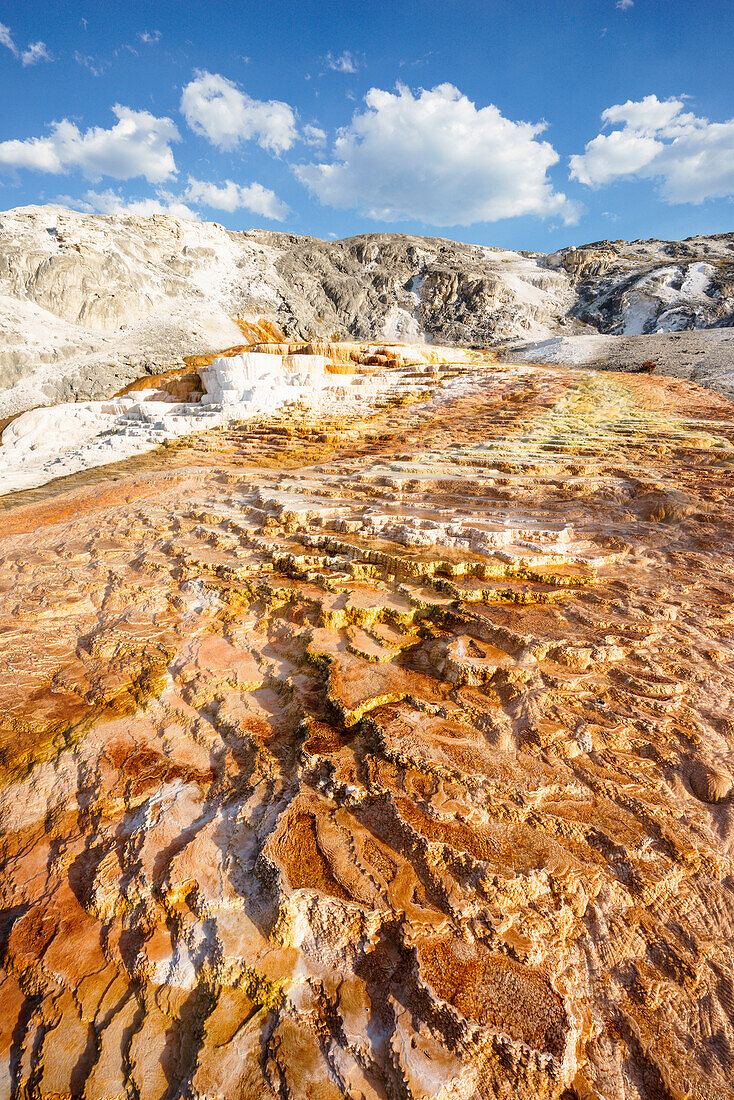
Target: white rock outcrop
{"x":46,"y":443}
{"x":90,"y":302}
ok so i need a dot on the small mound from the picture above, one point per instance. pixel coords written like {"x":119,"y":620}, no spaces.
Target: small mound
{"x":710,"y":783}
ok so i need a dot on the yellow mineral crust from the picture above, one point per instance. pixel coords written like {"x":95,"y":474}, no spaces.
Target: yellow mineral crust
{"x":377,"y":755}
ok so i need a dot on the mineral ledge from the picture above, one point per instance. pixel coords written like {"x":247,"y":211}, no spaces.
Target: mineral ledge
{"x":376,"y":745}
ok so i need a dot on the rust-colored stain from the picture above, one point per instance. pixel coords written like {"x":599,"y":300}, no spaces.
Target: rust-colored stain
{"x":380,"y":757}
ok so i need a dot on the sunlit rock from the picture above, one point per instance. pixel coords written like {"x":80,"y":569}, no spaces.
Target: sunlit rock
{"x":370,"y":738}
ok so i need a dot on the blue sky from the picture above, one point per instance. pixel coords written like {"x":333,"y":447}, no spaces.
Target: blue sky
{"x":520,"y":124}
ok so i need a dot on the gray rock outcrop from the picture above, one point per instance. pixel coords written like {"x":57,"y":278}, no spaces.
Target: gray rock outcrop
{"x":88,"y":302}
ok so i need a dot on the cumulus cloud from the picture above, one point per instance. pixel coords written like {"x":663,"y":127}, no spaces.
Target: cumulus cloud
{"x":314,"y":135}
{"x":345,"y":63}
{"x":227,"y":196}
{"x":150,"y":38}
{"x":35,"y":51}
{"x":691,"y":158}
{"x":651,"y":116}
{"x":216,"y":108}
{"x":436,"y":157}
{"x":231,"y":196}
{"x":621,"y":153}
{"x":139,"y":144}
{"x":625,"y":5}
{"x":111,"y":202}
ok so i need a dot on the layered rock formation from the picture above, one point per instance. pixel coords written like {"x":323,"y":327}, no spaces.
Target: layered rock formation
{"x":89,"y":303}
{"x":633,"y":288}
{"x":239,"y":385}
{"x":378,"y":754}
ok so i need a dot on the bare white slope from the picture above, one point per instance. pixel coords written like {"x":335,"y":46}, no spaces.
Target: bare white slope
{"x":47,"y":443}
{"x":705,"y":356}
{"x":88,"y":304}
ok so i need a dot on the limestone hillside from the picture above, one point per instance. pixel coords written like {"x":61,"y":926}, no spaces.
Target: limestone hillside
{"x":88,"y":303}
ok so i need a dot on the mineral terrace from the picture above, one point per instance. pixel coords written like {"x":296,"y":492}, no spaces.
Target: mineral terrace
{"x":378,"y":747}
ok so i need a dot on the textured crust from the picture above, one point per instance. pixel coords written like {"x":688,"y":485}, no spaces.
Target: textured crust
{"x":380,"y":759}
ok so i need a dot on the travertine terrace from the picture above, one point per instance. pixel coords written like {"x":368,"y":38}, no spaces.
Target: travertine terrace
{"x":378,"y":755}
{"x":89,"y":302}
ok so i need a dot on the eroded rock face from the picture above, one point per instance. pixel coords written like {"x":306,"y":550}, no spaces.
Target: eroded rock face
{"x":377,"y":757}
{"x":588,"y":261}
{"x":635,"y":288}
{"x":89,"y":303}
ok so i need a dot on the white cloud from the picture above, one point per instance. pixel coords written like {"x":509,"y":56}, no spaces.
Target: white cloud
{"x":110,"y":202}
{"x":232,"y":196}
{"x":625,"y":5}
{"x":650,"y":115}
{"x":96,"y":65}
{"x":436,"y":157}
{"x":623,"y":152}
{"x":6,"y":39}
{"x":137,"y":145}
{"x":216,"y":108}
{"x":35,"y":52}
{"x":149,"y":38}
{"x":691,"y":158}
{"x":228,"y":196}
{"x":314,"y":135}
{"x":345,"y":63}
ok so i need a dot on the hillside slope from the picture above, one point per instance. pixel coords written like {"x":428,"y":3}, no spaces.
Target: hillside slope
{"x":88,"y":302}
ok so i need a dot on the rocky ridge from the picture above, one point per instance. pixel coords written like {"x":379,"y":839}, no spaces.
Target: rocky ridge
{"x":88,"y":303}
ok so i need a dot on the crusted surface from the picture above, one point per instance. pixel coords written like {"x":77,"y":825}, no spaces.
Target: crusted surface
{"x":384,"y":759}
